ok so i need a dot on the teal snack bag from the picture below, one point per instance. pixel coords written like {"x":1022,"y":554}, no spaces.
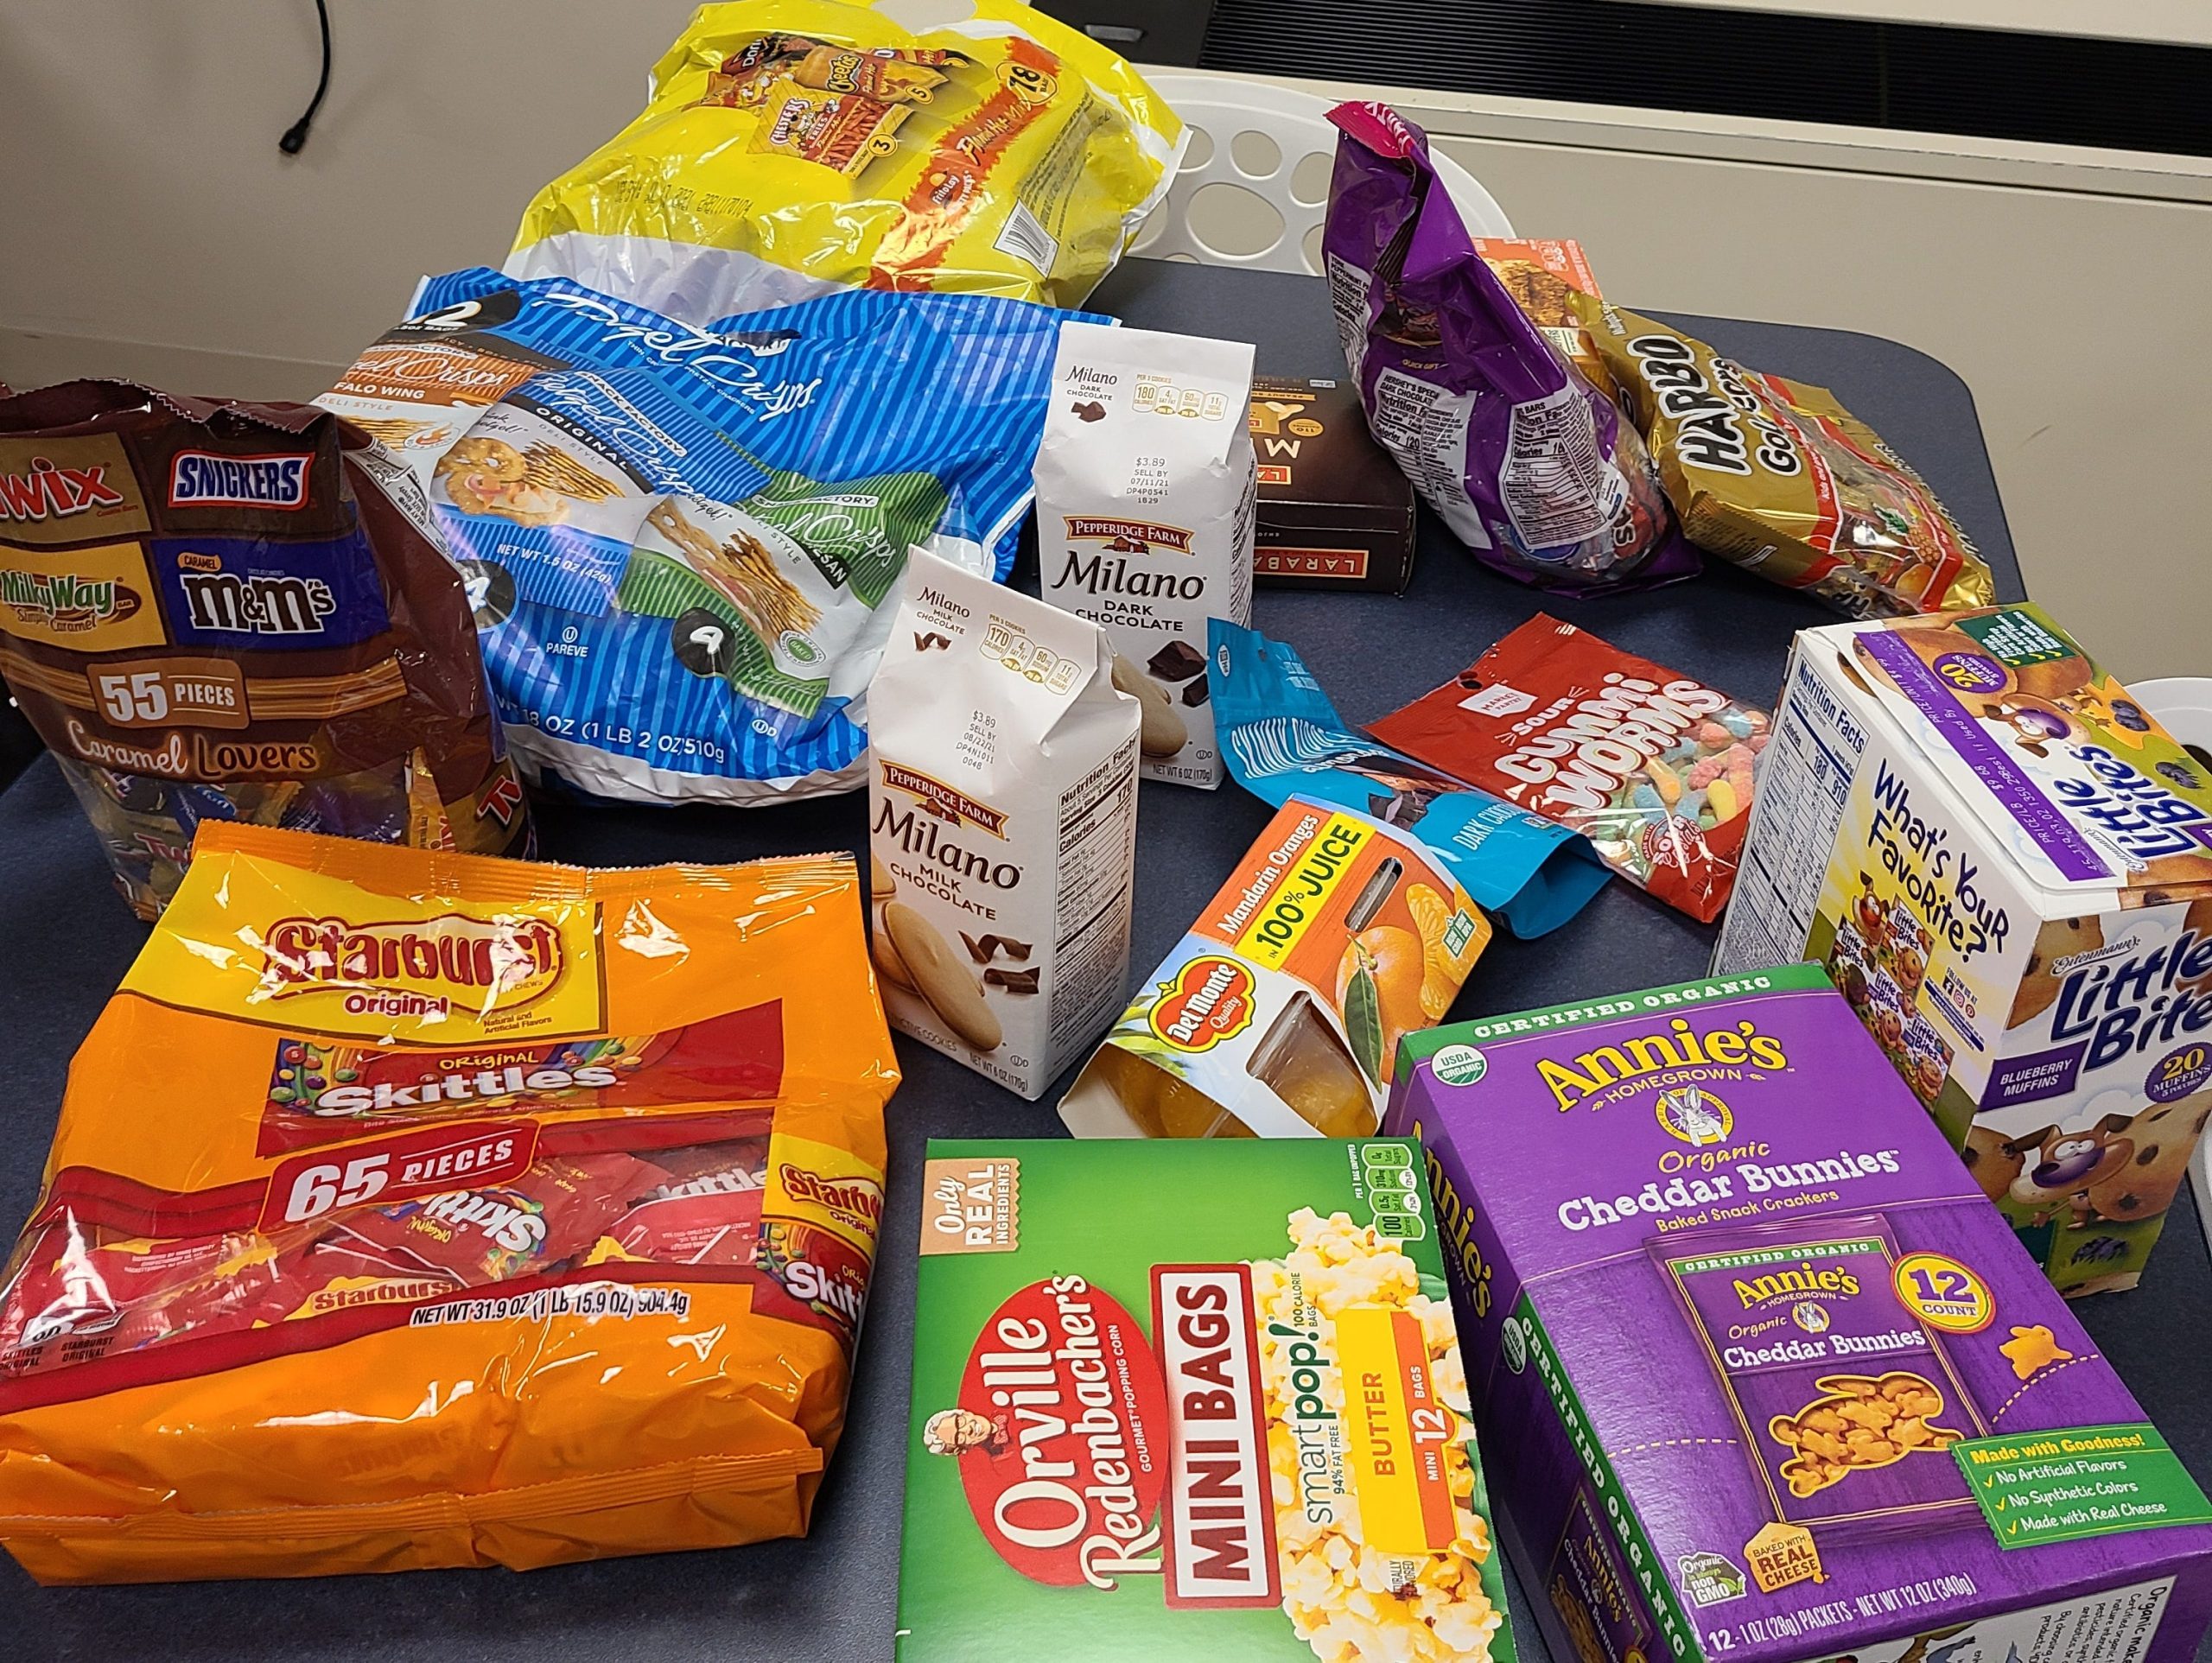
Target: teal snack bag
{"x":1282,"y":736}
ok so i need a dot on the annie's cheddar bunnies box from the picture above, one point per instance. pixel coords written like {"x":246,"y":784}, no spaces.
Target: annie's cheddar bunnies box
{"x":1186,"y":1399}
{"x":1763,"y":1375}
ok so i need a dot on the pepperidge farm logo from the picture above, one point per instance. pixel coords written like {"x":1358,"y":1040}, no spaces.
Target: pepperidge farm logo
{"x":200,"y":478}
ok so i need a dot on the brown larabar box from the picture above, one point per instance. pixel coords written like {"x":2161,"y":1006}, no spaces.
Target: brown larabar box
{"x":1334,"y":510}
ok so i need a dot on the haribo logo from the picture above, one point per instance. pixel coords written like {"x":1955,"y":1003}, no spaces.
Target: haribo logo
{"x":430,"y":967}
{"x":199,"y":478}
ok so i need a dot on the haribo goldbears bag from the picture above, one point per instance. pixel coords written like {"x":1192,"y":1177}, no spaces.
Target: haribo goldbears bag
{"x":682,"y":545}
{"x":1779,"y":478}
{"x":493,"y":1213}
{"x":794,"y":147}
{"x":218,"y":610}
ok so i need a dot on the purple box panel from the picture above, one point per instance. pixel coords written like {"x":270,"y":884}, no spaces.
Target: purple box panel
{"x":1729,"y":1301}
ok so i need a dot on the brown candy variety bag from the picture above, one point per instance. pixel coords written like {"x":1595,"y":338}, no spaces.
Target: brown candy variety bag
{"x":234,"y":612}
{"x":1779,"y":478}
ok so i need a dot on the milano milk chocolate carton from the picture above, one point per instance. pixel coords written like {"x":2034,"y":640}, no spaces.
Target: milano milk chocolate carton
{"x":1002,"y":823}
{"x":1144,"y":483}
{"x":1190,"y":1400}
{"x":1767,"y":1378}
{"x":2006,"y":866}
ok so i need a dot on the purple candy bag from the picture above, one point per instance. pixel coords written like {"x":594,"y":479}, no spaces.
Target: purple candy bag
{"x":1532,"y":468}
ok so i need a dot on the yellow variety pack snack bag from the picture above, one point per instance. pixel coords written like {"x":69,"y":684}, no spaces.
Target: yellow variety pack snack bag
{"x":412,"y":1210}
{"x":791,"y":147}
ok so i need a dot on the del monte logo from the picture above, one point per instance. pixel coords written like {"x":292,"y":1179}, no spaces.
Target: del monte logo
{"x":413,"y":966}
{"x":1209,"y":1000}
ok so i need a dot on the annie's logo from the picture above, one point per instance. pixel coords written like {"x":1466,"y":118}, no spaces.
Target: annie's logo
{"x":1606,"y":1070}
{"x":1127,"y":536}
{"x":429,"y":967}
{"x":48,"y":491}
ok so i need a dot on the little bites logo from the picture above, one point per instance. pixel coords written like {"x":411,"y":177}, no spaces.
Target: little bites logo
{"x":945,"y":802}
{"x":1209,"y":1001}
{"x":431,"y":966}
{"x":1127,"y":536}
{"x":200,"y":478}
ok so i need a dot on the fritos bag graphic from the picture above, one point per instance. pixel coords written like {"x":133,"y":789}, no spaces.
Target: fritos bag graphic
{"x":452,"y":1124}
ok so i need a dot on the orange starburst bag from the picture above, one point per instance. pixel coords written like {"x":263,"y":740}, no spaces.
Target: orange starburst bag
{"x":412,"y":1210}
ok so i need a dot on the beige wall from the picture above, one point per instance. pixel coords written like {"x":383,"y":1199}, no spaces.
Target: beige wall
{"x":153,"y":229}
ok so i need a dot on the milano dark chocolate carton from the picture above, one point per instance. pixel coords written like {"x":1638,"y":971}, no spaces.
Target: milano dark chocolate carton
{"x":1763,"y":1375}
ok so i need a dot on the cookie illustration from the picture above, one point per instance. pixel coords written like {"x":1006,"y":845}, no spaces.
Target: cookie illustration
{"x":1994,"y":1163}
{"x":2161,"y":1136}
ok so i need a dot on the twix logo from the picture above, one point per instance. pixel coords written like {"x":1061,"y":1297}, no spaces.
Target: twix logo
{"x":1127,"y":537}
{"x":944,"y":801}
{"x":415,"y":967}
{"x":49,"y":490}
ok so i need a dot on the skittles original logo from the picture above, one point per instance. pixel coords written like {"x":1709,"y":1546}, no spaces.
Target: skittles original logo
{"x":1694,"y":1116}
{"x":415,"y":967}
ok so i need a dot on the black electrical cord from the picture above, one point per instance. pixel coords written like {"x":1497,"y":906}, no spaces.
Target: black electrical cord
{"x":296,"y":135}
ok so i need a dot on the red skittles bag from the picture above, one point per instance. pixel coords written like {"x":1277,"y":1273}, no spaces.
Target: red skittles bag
{"x":494,"y":1213}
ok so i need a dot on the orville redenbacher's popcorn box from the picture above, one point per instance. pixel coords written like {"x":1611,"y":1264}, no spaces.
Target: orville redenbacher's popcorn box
{"x":2006,"y":866}
{"x":1763,"y":1377}
{"x":1190,"y":1399}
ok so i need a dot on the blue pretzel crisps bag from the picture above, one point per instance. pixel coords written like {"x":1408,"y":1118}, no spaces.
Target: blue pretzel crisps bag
{"x":681,"y":545}
{"x":1282,"y":738}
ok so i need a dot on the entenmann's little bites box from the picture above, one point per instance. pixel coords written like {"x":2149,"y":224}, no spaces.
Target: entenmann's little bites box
{"x":2006,"y":866}
{"x":1188,"y":1400}
{"x":1763,"y":1377}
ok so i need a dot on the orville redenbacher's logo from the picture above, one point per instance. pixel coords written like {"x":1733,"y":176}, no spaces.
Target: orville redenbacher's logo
{"x":1127,"y":536}
{"x":416,"y":966}
{"x":945,"y":802}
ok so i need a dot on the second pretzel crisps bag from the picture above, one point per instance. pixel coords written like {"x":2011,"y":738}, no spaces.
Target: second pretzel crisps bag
{"x":412,"y":1209}
{"x":1532,"y":468}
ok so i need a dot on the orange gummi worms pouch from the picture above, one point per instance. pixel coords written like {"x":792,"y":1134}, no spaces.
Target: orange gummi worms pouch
{"x":340,"y":1262}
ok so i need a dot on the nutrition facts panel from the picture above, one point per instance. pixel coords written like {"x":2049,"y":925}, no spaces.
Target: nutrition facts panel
{"x":1091,"y":914}
{"x":1804,"y":782}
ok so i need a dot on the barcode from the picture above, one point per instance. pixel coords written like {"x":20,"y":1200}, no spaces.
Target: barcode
{"x":1024,"y":237}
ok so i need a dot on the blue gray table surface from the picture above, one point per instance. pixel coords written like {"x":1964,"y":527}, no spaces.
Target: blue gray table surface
{"x":833,"y":1595}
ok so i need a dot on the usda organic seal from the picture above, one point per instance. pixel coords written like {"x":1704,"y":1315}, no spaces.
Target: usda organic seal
{"x":1514,"y":1340}
{"x":1458,"y":1065}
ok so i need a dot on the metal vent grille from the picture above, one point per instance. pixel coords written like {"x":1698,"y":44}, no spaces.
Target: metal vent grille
{"x":2113,"y":93}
